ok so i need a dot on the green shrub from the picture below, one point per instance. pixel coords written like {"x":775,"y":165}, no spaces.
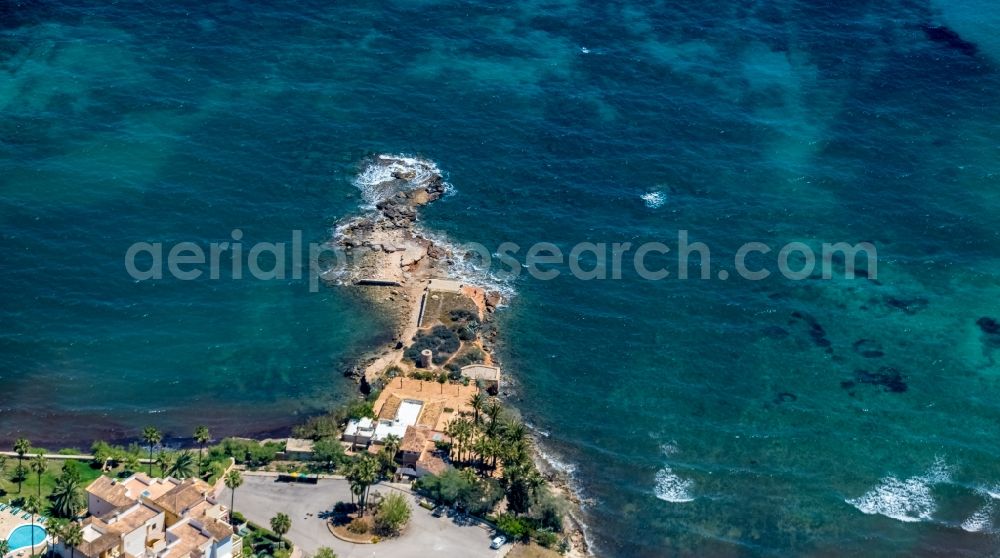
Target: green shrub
{"x":516,"y":528}
{"x":442,"y":342}
{"x":392,"y":515}
{"x":546,"y":538}
{"x":248,"y":452}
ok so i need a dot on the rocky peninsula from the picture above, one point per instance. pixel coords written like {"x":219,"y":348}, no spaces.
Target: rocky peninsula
{"x":410,"y":277}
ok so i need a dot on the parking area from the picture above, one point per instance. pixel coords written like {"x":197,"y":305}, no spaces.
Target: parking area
{"x":261,"y":497}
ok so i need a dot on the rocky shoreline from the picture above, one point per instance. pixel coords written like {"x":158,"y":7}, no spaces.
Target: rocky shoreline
{"x":389,"y":265}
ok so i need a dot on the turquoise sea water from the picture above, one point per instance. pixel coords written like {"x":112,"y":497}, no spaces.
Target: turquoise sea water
{"x":699,"y":418}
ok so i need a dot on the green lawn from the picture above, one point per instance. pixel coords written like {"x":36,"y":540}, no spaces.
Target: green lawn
{"x":8,"y":489}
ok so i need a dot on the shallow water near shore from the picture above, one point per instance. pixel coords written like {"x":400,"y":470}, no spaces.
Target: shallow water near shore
{"x":701,"y":418}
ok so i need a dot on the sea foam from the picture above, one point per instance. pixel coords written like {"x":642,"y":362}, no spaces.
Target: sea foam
{"x":909,"y":500}
{"x":669,"y":486}
{"x":672,"y":488}
{"x":979,"y":521}
{"x":378,"y":180}
{"x":654,"y":199}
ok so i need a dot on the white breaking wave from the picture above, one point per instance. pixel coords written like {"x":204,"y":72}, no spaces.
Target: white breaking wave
{"x":993,"y":492}
{"x":654,"y":199}
{"x":672,"y":488}
{"x":669,"y":486}
{"x":466,"y":267}
{"x":909,"y":500}
{"x":979,"y":521}
{"x":567,"y":469}
{"x":385,"y":175}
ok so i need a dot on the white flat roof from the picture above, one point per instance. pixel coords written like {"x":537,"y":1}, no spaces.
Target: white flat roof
{"x":354,"y":426}
{"x":408,"y":411}
{"x":387,"y":427}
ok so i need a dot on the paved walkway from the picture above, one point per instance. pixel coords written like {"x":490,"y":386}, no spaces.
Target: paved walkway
{"x":261,"y":497}
{"x":79,"y":457}
{"x":63,"y":456}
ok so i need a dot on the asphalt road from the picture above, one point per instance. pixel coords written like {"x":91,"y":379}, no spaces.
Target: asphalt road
{"x":260,"y":498}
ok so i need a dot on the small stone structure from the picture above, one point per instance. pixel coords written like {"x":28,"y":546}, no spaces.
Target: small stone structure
{"x":486,"y":376}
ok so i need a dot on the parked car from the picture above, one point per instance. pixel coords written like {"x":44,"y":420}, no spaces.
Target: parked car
{"x":498,"y":542}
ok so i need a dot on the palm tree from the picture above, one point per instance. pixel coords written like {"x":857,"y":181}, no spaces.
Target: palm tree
{"x":233,"y":481}
{"x":72,"y":537}
{"x":465,"y":431}
{"x":201,"y":436}
{"x":4,"y":547}
{"x":493,"y":410}
{"x":183,"y":466}
{"x":390,"y":447}
{"x":66,"y":497}
{"x":55,"y":527}
{"x":521,"y":482}
{"x":21,"y":447}
{"x":152,"y":437}
{"x":280,"y":524}
{"x":357,"y":489}
{"x":482,"y":446}
{"x":18,"y":475}
{"x":515,"y":432}
{"x":165,"y":461}
{"x":477,"y":402}
{"x":391,"y":443}
{"x":131,"y":463}
{"x":39,"y":465}
{"x":33,"y":505}
{"x":363,"y":475}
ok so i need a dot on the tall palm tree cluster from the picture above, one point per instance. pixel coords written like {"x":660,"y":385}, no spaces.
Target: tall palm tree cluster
{"x":362,"y":474}
{"x":490,"y":440}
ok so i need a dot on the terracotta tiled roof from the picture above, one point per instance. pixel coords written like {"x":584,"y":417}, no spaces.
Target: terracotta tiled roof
{"x":188,"y":542}
{"x":113,"y":528}
{"x":415,"y":439}
{"x":111,"y":491}
{"x":183,"y":496}
{"x":219,"y":530}
{"x":432,"y":463}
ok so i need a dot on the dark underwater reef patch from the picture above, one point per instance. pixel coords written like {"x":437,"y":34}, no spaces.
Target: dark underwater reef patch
{"x":991,"y":331}
{"x":17,"y":13}
{"x":888,"y":378}
{"x":868,"y":348}
{"x":988,"y":325}
{"x":816,"y":331}
{"x":908,"y":306}
{"x":949,"y":38}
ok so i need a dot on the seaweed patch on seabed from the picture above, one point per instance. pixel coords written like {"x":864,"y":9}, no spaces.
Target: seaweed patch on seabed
{"x":990,"y":337}
{"x":949,"y":38}
{"x":816,"y":331}
{"x":868,"y":348}
{"x":888,"y":378}
{"x":908,"y":306}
